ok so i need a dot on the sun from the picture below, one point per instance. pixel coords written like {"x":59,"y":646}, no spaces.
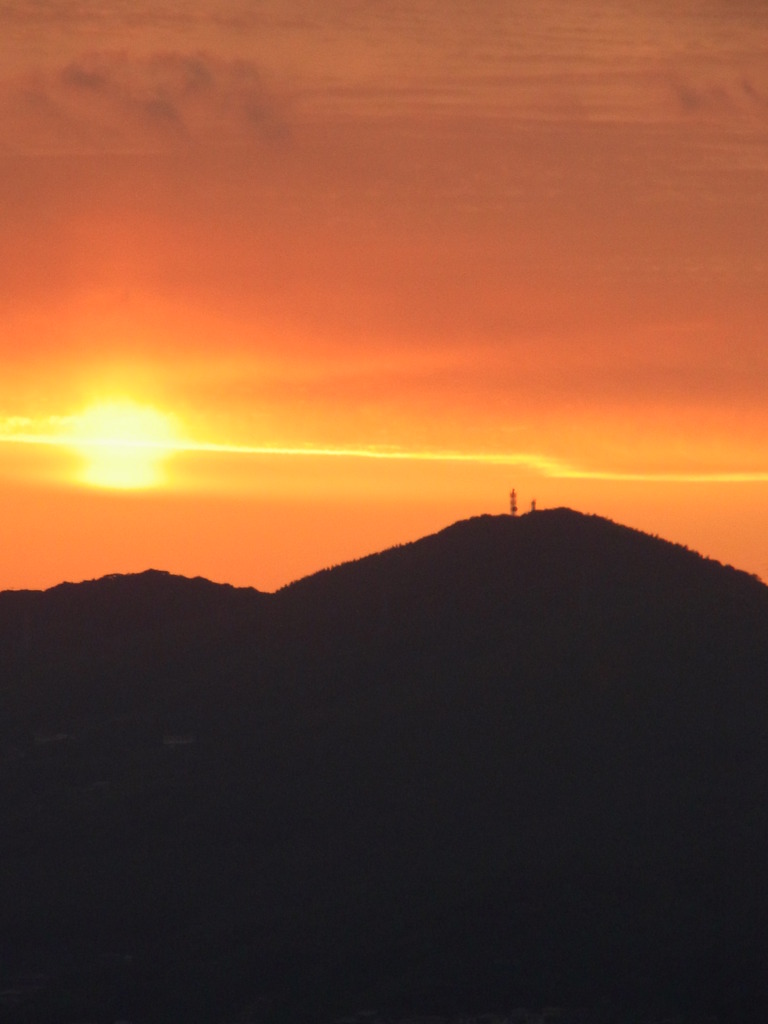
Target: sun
{"x":124,"y":444}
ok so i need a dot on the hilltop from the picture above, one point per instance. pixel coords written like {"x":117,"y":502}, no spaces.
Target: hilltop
{"x":518,"y":762}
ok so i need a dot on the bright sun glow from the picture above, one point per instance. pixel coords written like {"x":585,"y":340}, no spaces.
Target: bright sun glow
{"x":124,"y":444}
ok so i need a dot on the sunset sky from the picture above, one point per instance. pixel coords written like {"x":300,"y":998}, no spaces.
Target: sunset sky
{"x":283,"y":282}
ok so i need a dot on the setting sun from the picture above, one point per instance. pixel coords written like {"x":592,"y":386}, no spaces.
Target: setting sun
{"x":124,"y":444}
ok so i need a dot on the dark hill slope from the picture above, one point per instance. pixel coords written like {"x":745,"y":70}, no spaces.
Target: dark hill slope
{"x":107,"y":645}
{"x":570,"y":714}
{"x":520,"y":761}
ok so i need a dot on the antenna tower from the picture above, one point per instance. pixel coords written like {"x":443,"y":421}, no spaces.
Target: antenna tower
{"x":513,"y":502}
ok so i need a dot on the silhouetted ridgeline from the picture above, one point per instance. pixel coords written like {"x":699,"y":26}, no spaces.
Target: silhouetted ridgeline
{"x":522,"y":762}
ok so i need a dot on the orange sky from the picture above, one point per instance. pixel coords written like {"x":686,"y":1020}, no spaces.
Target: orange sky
{"x":499,"y":243}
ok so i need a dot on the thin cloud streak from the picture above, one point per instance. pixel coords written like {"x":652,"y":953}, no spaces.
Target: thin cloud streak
{"x":543,"y":464}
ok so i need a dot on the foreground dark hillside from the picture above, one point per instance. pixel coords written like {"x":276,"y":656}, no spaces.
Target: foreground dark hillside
{"x":520,"y":762}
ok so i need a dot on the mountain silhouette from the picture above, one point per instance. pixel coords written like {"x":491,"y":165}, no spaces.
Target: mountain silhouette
{"x":521,"y":762}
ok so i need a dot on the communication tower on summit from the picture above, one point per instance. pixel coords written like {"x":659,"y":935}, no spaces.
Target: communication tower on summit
{"x":513,"y":502}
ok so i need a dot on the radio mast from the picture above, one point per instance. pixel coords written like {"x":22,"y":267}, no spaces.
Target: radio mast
{"x":513,"y":502}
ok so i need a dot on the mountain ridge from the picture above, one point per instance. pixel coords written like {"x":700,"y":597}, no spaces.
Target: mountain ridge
{"x":548,"y":516}
{"x":521,"y":761}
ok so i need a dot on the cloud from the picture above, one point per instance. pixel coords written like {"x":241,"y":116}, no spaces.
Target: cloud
{"x":723,"y":96}
{"x":115,"y":102}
